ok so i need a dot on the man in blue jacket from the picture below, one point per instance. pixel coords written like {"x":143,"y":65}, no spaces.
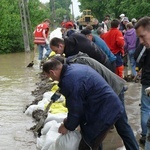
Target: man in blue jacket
{"x":91,"y":102}
{"x":102,"y":45}
{"x":118,"y":85}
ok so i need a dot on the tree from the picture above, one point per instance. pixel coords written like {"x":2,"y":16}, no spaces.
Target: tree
{"x":10,"y":23}
{"x":131,"y":8}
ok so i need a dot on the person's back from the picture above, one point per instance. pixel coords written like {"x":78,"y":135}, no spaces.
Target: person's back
{"x":91,"y":101}
{"x":130,"y":46}
{"x":101,"y":43}
{"x":41,"y":39}
{"x":117,"y":85}
{"x":112,"y":79}
{"x":78,"y":42}
{"x":115,"y":41}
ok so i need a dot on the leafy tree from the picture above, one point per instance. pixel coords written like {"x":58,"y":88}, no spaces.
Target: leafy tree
{"x":10,"y":27}
{"x":131,"y":8}
{"x":10,"y":23}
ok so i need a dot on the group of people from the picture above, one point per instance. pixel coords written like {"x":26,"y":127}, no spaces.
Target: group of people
{"x":90,"y":75}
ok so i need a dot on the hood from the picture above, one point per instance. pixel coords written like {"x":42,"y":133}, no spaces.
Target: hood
{"x":130,"y":32}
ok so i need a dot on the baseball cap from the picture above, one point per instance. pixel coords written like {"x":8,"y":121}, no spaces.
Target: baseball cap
{"x":126,"y":19}
{"x":68,"y":25}
{"x":133,"y":20}
{"x":122,"y":15}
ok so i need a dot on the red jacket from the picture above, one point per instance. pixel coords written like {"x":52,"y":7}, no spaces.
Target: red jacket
{"x":115,"y":40}
{"x":38,"y":33}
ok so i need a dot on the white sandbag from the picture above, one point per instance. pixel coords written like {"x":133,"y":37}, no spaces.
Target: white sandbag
{"x":43,"y":102}
{"x":40,"y":141}
{"x":52,"y":146}
{"x":47,"y":126}
{"x":69,"y":141}
{"x":32,"y":108}
{"x":51,"y":135}
{"x":48,"y":95}
{"x":57,"y":117}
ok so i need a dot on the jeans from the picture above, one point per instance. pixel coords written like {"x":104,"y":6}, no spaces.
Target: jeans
{"x":145,"y":109}
{"x":132,"y":61}
{"x":41,"y":50}
{"x":147,"y":144}
{"x":124,"y":129}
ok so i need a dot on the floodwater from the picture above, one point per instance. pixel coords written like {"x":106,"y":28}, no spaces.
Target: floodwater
{"x":16,"y":83}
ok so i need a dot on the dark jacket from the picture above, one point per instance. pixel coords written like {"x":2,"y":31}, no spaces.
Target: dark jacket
{"x":78,"y":42}
{"x":111,"y":78}
{"x":91,"y":102}
{"x":144,"y":63}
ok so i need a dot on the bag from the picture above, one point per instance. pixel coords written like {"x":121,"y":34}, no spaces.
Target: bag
{"x":69,"y":141}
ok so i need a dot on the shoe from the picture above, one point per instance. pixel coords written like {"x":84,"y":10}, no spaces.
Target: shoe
{"x":142,"y":140}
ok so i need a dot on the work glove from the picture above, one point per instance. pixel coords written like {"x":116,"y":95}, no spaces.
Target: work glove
{"x":47,"y":41}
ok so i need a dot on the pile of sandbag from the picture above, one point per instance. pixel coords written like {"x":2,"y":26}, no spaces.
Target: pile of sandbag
{"x":49,"y":138}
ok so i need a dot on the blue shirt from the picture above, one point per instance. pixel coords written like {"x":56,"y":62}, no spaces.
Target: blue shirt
{"x":101,"y":44}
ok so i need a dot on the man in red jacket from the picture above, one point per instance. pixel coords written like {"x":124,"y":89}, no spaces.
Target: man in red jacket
{"x":115,"y":41}
{"x":41,"y":38}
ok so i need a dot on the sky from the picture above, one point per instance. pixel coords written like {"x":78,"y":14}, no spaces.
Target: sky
{"x":75,"y":7}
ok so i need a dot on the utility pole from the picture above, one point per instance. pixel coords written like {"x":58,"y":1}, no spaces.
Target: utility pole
{"x":26,"y":24}
{"x":54,"y":14}
{"x":72,"y":12}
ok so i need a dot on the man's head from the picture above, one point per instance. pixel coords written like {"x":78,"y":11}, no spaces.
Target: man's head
{"x":106,"y":20}
{"x":125,"y":20}
{"x":129,"y":25}
{"x":87,"y":33}
{"x":47,"y":21}
{"x":57,"y":45}
{"x":115,"y":23}
{"x":100,"y":30}
{"x":143,"y":31}
{"x":122,"y":16}
{"x":52,"y":69}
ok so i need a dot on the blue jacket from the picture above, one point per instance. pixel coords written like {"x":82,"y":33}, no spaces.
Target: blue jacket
{"x":91,"y":102}
{"x":101,"y":44}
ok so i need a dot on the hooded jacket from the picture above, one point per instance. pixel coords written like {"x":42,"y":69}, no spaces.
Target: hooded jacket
{"x":130,"y":39}
{"x":91,"y":102}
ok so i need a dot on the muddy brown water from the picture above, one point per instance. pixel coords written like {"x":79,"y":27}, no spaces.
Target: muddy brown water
{"x":16,"y":83}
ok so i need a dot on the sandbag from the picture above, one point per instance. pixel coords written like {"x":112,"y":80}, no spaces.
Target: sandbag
{"x":69,"y":141}
{"x":57,"y":117}
{"x":51,"y":135}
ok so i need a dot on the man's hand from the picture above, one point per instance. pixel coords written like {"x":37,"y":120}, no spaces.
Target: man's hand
{"x":62,"y":129}
{"x":47,"y":41}
{"x":147,"y":91}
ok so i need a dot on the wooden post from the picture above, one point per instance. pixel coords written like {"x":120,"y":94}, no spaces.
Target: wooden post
{"x":26,"y":24}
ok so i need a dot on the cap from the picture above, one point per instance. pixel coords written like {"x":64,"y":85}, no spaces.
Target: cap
{"x":126,"y":19}
{"x":122,"y":15}
{"x":86,"y":31}
{"x":68,"y":25}
{"x":133,"y":20}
